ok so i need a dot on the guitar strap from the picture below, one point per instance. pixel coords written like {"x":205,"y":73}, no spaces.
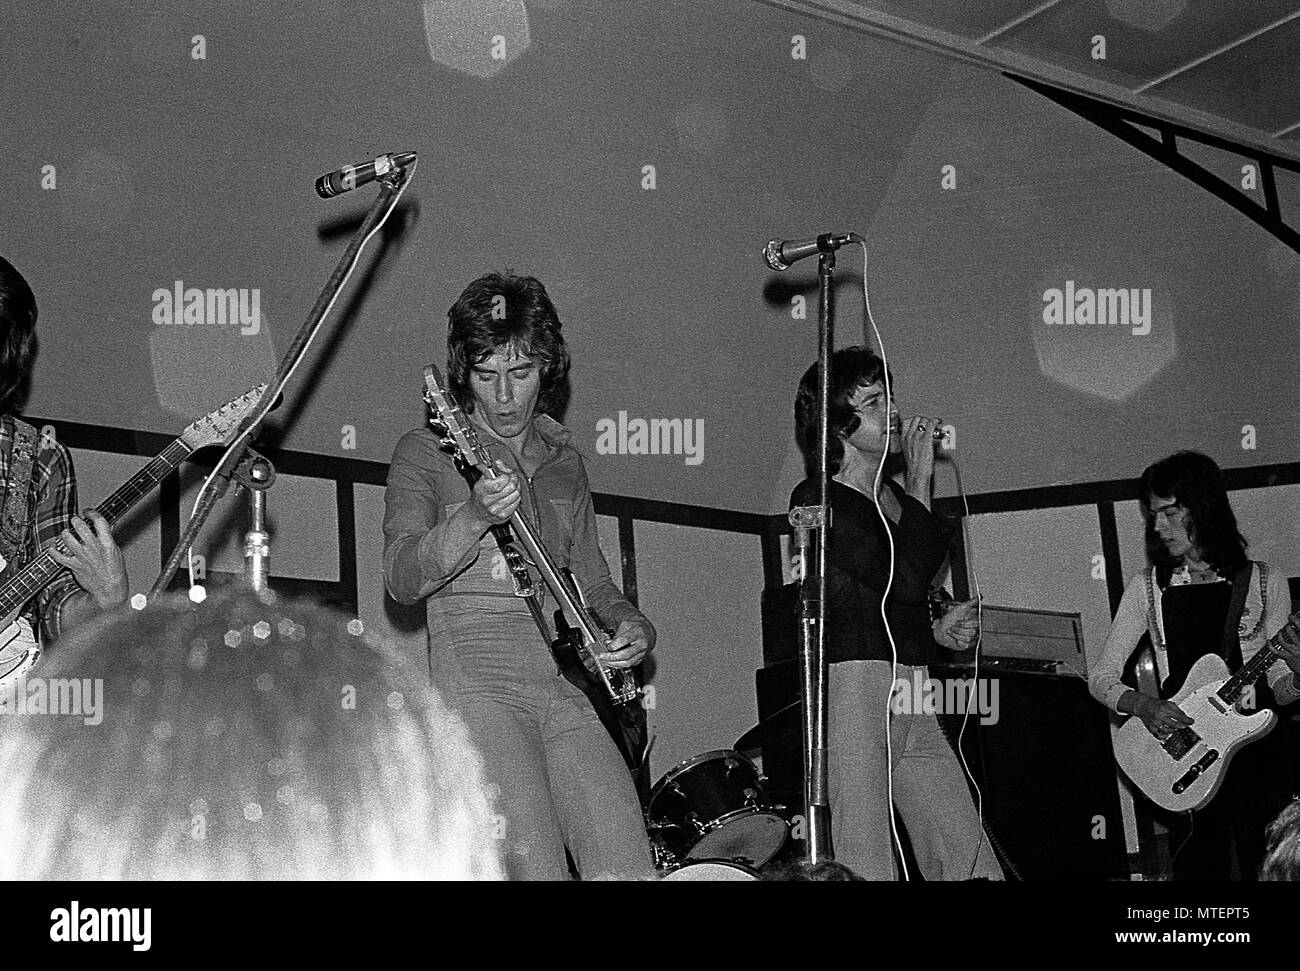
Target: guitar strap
{"x":1153,"y":622}
{"x":1230,"y":645}
{"x":14,"y":514}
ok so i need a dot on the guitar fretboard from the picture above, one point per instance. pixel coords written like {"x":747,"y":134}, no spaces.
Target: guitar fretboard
{"x":1254,"y":669}
{"x":31,"y":579}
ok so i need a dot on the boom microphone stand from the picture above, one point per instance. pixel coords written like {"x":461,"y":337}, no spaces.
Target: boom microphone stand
{"x":241,"y":461}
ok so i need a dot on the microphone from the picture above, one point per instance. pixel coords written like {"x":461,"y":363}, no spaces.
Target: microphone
{"x":351,"y":176}
{"x":781,"y":254}
{"x":936,"y":434}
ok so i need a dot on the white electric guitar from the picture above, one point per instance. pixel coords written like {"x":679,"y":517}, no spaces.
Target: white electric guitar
{"x":19,"y":649}
{"x":1184,"y":771}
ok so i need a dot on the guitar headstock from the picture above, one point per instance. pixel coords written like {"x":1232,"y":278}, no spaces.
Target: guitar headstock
{"x":448,"y":419}
{"x":220,"y":427}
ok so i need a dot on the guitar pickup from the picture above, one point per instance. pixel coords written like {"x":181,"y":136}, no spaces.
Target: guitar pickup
{"x":1195,"y":772}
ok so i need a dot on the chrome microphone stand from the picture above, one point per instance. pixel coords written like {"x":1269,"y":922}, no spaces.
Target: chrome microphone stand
{"x":256,"y":477}
{"x":812,"y":525}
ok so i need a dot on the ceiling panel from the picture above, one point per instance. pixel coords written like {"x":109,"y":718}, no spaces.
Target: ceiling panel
{"x":973,"y":20}
{"x":1223,"y":68}
{"x":1255,"y":84}
{"x":1140,"y":43}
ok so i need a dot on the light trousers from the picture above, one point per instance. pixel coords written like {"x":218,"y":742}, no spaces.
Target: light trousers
{"x":929,"y":785}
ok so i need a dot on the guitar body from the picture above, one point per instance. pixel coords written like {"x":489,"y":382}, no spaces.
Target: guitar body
{"x":19,"y":649}
{"x":1184,"y":772}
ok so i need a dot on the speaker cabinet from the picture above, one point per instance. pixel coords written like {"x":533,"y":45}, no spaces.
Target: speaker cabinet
{"x":1045,"y":768}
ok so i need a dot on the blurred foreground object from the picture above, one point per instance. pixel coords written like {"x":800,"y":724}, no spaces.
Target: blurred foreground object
{"x":244,"y":737}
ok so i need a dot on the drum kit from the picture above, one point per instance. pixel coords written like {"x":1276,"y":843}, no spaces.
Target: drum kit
{"x":710,"y":818}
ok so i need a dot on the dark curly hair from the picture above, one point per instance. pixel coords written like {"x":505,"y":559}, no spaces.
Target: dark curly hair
{"x":512,"y":314}
{"x":17,"y":336}
{"x":851,"y":368}
{"x":1194,"y":481}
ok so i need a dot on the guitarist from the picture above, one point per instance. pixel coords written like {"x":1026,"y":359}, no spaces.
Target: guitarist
{"x":1202,"y":595}
{"x":561,"y":781}
{"x":40,"y":497}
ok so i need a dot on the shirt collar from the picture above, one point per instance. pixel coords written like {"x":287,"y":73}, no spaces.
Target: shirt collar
{"x":552,"y":432}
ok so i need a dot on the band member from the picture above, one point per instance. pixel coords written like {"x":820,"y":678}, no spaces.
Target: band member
{"x":560,"y":778}
{"x":929,"y":788}
{"x":40,"y":497}
{"x":1181,"y":602}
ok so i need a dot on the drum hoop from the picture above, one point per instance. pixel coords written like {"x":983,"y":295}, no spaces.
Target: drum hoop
{"x":690,"y":763}
{"x":752,"y":871}
{"x":714,"y":825}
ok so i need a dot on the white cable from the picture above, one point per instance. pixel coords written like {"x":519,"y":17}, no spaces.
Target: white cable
{"x":884,"y":522}
{"x":238,"y":440}
{"x":975,"y":682}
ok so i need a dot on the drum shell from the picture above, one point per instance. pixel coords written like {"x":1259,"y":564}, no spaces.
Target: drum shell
{"x":716,"y":799}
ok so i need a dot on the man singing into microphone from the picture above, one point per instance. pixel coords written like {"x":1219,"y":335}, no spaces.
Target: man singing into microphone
{"x":39,"y":502}
{"x":560,"y":779}
{"x":929,"y":789}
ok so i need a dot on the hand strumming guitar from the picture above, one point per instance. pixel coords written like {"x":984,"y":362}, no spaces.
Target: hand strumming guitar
{"x":1162,"y":718}
{"x":633,"y":640}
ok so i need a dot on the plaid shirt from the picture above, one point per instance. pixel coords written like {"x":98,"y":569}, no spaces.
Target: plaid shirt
{"x":51,"y":504}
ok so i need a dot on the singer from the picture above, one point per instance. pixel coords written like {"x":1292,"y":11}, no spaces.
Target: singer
{"x":560,"y":779}
{"x":929,"y":787}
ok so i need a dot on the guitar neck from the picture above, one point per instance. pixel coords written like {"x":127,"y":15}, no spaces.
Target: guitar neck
{"x":1255,"y":668}
{"x":32,"y":579}
{"x":551,"y":576}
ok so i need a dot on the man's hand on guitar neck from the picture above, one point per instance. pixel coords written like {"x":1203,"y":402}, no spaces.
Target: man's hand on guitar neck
{"x":94,"y":559}
{"x":1289,"y":643}
{"x":494,"y":501}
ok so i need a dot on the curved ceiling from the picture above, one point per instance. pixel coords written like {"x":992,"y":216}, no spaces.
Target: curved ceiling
{"x":1219,"y":68}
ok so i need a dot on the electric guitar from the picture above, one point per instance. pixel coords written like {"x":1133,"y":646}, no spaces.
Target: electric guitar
{"x":1184,"y":771}
{"x":19,"y":649}
{"x":587,"y":640}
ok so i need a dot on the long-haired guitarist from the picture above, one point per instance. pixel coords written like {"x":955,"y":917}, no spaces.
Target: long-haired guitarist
{"x":560,"y":779}
{"x":39,"y":502}
{"x":1201,"y":595}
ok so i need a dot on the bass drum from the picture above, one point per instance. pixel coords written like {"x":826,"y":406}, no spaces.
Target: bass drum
{"x":713,"y":807}
{"x":710,"y":871}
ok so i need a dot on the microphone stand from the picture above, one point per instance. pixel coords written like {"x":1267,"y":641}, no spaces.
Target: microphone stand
{"x":258,"y":547}
{"x":812,"y":525}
